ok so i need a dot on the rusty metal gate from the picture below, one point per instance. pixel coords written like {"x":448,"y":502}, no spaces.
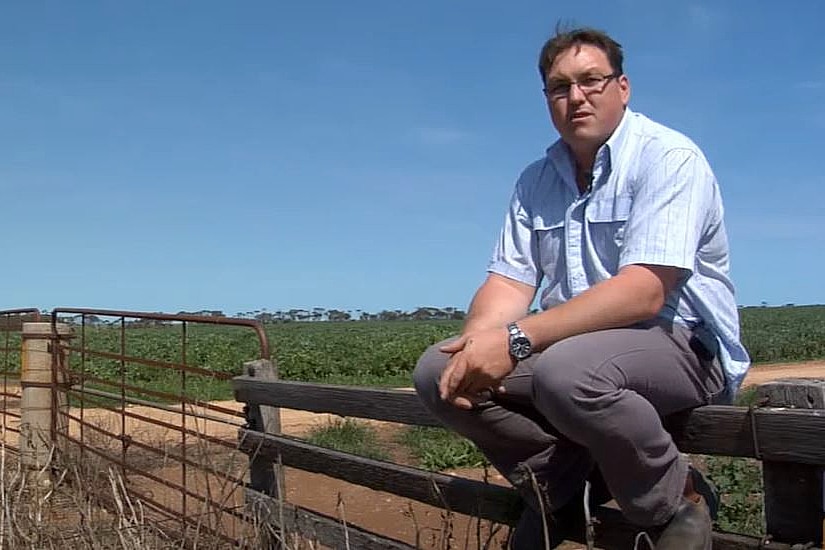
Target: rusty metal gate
{"x":148,"y":396}
{"x":11,"y":324}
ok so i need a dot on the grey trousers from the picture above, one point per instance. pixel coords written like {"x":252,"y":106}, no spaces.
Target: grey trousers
{"x":596,"y":399}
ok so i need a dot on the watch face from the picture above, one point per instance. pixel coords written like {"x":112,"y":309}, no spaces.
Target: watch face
{"x":520,"y":348}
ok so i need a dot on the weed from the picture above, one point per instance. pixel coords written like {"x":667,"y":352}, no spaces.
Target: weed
{"x":739,"y":481}
{"x":439,"y":449}
{"x":349,"y":436}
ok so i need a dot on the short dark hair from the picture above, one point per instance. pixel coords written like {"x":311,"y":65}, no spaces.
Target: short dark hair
{"x":565,"y":39}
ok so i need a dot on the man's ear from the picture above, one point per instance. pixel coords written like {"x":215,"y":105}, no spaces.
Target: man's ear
{"x":624,"y":88}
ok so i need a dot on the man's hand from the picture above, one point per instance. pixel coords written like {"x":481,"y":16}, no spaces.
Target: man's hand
{"x":480,"y":361}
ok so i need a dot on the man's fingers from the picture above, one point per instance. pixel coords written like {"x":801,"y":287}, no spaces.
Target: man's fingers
{"x":463,"y":402}
{"x":454,"y":346}
{"x":452,"y":376}
{"x":446,"y":375}
{"x":455,"y":379}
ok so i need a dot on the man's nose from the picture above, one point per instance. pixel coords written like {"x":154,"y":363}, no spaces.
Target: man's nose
{"x":575,"y":94}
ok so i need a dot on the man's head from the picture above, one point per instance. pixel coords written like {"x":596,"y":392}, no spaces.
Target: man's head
{"x":585,"y":86}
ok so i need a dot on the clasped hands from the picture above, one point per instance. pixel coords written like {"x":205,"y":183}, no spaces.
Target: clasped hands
{"x":480,"y":361}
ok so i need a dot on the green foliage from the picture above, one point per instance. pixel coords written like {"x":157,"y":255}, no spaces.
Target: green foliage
{"x":358,"y":353}
{"x":438,"y":449}
{"x":9,"y":352}
{"x":777,"y":334}
{"x":349,"y":436}
{"x":381,"y":353}
{"x":739,"y":481}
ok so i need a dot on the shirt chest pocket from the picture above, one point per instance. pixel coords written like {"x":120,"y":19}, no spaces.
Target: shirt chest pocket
{"x":605,"y":227}
{"x":550,"y":243}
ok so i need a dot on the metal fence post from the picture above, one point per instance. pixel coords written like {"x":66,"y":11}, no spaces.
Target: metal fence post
{"x":794,"y":492}
{"x":41,"y":401}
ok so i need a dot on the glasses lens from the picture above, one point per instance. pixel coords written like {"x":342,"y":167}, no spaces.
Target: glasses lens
{"x":591,"y":83}
{"x":559,"y":89}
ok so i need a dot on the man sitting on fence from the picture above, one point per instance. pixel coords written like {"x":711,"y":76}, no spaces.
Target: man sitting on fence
{"x":623,"y":220}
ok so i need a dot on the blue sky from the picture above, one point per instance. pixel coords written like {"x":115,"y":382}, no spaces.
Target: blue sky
{"x":167,"y":156}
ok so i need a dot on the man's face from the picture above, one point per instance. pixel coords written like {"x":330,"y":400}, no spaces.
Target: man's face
{"x":585,"y":118}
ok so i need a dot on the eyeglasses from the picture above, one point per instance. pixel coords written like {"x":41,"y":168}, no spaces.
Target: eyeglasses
{"x":558,"y":89}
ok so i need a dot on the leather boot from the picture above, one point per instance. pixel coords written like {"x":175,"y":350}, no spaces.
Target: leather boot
{"x":690,"y":528}
{"x":707,"y":489}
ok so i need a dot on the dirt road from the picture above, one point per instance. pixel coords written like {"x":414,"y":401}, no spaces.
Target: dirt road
{"x":765,"y":373}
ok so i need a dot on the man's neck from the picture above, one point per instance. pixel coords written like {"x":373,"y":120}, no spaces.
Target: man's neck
{"x":584,"y":169}
{"x":584,"y":178}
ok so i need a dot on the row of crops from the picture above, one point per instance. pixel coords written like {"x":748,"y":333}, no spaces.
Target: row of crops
{"x":371,"y":352}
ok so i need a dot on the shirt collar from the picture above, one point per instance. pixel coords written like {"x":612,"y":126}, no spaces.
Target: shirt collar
{"x":607,"y":156}
{"x":617,"y":139}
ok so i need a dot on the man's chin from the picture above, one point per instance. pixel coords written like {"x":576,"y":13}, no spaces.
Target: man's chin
{"x":584,"y":138}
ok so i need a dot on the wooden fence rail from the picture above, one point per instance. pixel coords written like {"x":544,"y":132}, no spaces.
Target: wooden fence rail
{"x":789,"y":441}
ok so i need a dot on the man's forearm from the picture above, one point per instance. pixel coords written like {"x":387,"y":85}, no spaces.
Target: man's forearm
{"x":635,"y":295}
{"x":497,"y":302}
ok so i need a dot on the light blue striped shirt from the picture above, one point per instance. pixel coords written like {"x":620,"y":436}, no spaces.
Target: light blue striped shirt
{"x":653,"y":200}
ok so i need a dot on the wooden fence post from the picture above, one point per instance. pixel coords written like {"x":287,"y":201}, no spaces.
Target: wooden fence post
{"x":794,"y":493}
{"x":266,"y":476}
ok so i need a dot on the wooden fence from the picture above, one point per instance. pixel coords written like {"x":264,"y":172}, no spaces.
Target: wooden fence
{"x":786,"y":432}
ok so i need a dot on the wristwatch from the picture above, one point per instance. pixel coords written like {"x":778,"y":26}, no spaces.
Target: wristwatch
{"x":520,"y":346}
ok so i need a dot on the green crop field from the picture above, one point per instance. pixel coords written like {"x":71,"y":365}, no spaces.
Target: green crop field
{"x":381,"y":353}
{"x":783,"y":334}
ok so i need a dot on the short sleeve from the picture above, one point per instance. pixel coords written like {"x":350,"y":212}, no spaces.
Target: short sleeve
{"x":515,"y":252}
{"x":672,"y":204}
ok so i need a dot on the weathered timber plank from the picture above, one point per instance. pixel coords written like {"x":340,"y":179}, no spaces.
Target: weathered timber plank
{"x":323,"y":529}
{"x":377,"y":404}
{"x":784,"y":435}
{"x":799,"y":393}
{"x":732,"y":541}
{"x":465,"y":496}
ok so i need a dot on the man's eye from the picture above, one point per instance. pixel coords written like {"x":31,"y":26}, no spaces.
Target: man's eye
{"x":590,"y":81}
{"x":558,"y":87}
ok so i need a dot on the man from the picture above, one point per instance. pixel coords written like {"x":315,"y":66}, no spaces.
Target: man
{"x":623,"y":221}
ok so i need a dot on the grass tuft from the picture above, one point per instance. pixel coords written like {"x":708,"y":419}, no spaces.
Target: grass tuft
{"x":349,"y":436}
{"x":438,"y":449}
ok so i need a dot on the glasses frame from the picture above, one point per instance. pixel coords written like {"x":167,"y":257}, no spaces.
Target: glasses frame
{"x":604,"y":80}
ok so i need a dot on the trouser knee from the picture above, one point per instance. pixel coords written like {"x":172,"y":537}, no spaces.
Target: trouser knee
{"x":427,"y":374}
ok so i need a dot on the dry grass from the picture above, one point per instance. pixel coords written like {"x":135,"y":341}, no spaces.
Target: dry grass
{"x":67,"y":508}
{"x":82,"y":500}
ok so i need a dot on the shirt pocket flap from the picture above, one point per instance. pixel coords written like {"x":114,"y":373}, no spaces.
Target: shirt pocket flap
{"x":613,"y":209}
{"x":542,"y":224}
